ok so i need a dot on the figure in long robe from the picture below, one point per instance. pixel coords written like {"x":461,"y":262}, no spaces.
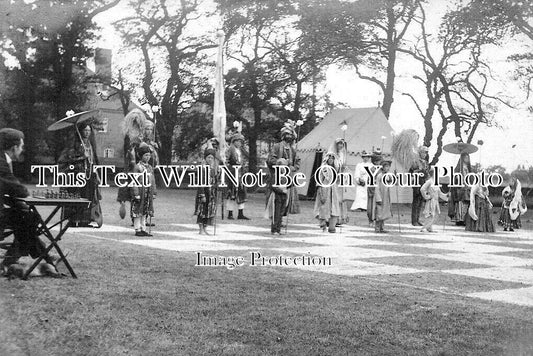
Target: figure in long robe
{"x":361,"y":178}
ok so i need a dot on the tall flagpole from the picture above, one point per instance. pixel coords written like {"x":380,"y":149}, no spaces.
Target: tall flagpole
{"x":219,"y":110}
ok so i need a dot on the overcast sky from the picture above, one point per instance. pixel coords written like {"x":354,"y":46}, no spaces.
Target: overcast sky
{"x":516,"y":124}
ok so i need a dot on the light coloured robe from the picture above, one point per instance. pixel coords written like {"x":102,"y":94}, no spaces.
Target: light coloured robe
{"x":432,"y":193}
{"x":361,"y":196}
{"x":332,"y":205}
{"x":383,"y":211}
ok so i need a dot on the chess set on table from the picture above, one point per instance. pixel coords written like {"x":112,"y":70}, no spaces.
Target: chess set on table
{"x":53,"y":194}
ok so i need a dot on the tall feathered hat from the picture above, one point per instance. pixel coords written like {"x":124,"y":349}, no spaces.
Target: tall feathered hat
{"x":236,"y":137}
{"x":133,"y":124}
{"x":289,"y":128}
{"x":405,"y":148}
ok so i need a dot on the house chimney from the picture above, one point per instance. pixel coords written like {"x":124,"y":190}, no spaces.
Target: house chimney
{"x":102,"y":61}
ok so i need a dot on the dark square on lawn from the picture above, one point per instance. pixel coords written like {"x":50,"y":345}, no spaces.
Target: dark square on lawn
{"x":449,"y":283}
{"x":410,"y":249}
{"x":393,"y":237}
{"x":423,"y":262}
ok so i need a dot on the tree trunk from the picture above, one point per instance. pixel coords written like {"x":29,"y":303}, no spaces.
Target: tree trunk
{"x":165,"y":151}
{"x":30,"y":134}
{"x":165,"y":132}
{"x":388,"y":92}
{"x":297,"y":101}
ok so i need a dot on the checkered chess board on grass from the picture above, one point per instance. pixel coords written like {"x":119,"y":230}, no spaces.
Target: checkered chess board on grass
{"x":496,"y":266}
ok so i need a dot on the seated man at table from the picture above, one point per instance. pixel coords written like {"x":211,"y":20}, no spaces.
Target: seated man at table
{"x":16,"y":216}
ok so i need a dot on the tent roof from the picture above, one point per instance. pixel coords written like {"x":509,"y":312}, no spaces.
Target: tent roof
{"x":366,"y":127}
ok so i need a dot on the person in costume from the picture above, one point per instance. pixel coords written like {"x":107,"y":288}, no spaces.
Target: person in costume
{"x":513,"y":206}
{"x":431,"y":193}
{"x":80,"y":157}
{"x":282,"y":200}
{"x":236,"y":196}
{"x":206,"y":197}
{"x":213,"y":143}
{"x":361,"y":180}
{"x":460,"y":196}
{"x":150,"y":139}
{"x":328,"y":203}
{"x":15,"y":215}
{"x":381,"y":199}
{"x":479,"y":214}
{"x":339,"y":147}
{"x":370,"y":208}
{"x":137,"y":130}
{"x":142,"y":203}
{"x":420,"y":165}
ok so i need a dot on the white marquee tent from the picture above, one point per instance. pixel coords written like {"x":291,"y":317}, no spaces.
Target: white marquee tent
{"x":367,"y":129}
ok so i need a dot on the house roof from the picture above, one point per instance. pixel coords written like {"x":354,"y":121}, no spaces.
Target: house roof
{"x":366,"y":127}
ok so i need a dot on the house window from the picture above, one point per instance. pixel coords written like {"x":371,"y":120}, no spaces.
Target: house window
{"x":102,"y":125}
{"x":109,"y":153}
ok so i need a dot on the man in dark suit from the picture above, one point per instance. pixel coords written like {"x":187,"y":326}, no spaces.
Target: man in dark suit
{"x":16,"y":215}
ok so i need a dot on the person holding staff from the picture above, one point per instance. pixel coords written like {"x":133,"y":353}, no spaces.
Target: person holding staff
{"x":328,"y":200}
{"x":460,"y":196}
{"x":339,"y":148}
{"x":142,"y":203}
{"x":513,"y":206}
{"x":80,"y":157}
{"x":206,"y":197}
{"x":236,"y":193}
{"x":431,"y":193}
{"x":282,"y":200}
{"x":371,"y":206}
{"x":382,"y":200}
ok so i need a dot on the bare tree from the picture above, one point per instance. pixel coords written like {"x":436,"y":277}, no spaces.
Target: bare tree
{"x":171,"y":57}
{"x":456,"y":80}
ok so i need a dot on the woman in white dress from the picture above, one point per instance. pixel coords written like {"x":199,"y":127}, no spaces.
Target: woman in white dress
{"x":340,"y":149}
{"x":361,"y":179}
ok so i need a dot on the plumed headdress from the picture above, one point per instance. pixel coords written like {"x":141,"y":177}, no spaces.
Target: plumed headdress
{"x":289,"y":128}
{"x":237,"y":136}
{"x":148,"y":123}
{"x":405,"y":148}
{"x":133,"y":124}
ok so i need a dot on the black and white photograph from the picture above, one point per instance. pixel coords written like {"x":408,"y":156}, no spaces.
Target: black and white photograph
{"x":266,"y":177}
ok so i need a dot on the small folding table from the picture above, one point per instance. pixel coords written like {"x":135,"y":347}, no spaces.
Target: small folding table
{"x":45,"y":226}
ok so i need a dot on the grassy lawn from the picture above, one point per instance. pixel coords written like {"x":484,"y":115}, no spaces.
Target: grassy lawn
{"x":139,"y":301}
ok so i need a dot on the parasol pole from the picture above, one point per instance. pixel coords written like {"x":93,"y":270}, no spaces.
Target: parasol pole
{"x":298,"y":123}
{"x":219,"y":110}
{"x":444,"y":226}
{"x":397,"y":199}
{"x":344,"y":127}
{"x":215,"y":215}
